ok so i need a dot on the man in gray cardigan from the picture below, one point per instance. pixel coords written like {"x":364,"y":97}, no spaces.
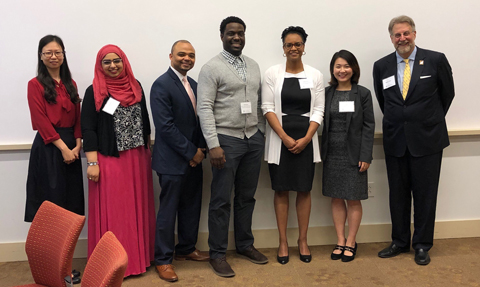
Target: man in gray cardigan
{"x":232,"y":124}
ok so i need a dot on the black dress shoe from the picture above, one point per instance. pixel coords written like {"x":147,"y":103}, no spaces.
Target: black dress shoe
{"x":422,"y":257}
{"x":392,"y":251}
{"x":75,"y":273}
{"x":283,"y":259}
{"x":348,"y":258}
{"x":305,"y":258}
{"x":335,"y":256}
{"x":76,"y":280}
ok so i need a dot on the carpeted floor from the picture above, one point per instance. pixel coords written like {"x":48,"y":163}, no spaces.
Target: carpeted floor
{"x":455,"y":262}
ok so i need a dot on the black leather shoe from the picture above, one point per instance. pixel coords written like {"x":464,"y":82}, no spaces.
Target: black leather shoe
{"x":392,"y":251}
{"x":348,"y":258}
{"x":283,"y":260}
{"x":76,"y":280}
{"x":335,"y":256}
{"x":422,"y":257}
{"x":75,"y":273}
{"x":305,"y":258}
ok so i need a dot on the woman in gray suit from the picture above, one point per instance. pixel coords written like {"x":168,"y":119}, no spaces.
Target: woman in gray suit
{"x":346,"y":150}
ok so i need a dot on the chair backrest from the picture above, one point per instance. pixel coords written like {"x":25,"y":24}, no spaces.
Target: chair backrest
{"x":107,"y":264}
{"x":51,"y":242}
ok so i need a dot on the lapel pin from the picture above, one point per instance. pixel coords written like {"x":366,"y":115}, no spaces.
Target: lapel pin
{"x":421,"y":63}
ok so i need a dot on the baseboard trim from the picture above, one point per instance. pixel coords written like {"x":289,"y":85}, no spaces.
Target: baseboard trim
{"x":268,"y":238}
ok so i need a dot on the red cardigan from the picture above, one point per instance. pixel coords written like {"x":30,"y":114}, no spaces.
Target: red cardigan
{"x":46,"y":117}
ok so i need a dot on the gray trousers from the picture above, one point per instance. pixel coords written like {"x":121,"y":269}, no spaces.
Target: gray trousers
{"x":241,"y":172}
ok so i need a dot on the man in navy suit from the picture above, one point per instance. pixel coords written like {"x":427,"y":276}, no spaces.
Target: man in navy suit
{"x":414,"y":88}
{"x":177,"y":158}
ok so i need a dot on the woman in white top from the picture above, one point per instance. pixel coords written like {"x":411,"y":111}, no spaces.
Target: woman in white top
{"x":293,"y":103}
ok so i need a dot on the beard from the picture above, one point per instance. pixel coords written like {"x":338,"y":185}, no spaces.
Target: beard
{"x":402,"y":49}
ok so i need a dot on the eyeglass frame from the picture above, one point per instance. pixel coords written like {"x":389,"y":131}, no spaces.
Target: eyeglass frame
{"x":57,"y":54}
{"x":297,"y":45}
{"x":404,"y":34}
{"x":114,"y":61}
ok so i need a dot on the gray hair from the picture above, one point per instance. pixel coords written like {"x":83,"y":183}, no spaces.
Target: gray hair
{"x":401,"y":19}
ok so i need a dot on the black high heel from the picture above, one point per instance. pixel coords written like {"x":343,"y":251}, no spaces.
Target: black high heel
{"x":347,"y":258}
{"x":336,"y":256}
{"x":283,"y":259}
{"x":304,"y":258}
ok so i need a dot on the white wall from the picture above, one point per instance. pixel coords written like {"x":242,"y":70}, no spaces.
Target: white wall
{"x":146,"y":30}
{"x":457,"y":200}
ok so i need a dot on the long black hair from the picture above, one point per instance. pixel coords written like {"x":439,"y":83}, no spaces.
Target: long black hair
{"x":43,"y":76}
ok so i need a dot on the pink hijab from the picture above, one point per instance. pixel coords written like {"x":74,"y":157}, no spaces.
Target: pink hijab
{"x":123,"y":88}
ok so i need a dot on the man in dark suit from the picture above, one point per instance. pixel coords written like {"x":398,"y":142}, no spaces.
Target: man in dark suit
{"x":177,"y":158}
{"x":414,"y":88}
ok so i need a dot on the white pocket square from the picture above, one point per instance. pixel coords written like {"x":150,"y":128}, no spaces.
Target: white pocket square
{"x":424,"y":77}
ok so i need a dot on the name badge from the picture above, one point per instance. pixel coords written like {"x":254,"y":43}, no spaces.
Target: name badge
{"x":111,"y":106}
{"x":305,"y":83}
{"x":388,"y":82}
{"x":246,"y":107}
{"x":346,"y":107}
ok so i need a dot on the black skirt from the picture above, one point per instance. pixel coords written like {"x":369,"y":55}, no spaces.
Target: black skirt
{"x":49,"y":178}
{"x":295,"y":171}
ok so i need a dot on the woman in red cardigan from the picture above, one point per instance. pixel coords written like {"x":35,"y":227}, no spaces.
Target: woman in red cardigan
{"x":55,"y":170}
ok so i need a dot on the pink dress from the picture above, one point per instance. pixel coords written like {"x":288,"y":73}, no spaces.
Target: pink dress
{"x":122,"y":202}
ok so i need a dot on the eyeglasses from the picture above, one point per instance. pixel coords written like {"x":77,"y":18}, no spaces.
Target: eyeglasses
{"x":405,"y":34}
{"x":109,"y":62}
{"x":290,"y":45}
{"x":57,"y":54}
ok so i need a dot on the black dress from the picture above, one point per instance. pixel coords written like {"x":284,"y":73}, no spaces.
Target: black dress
{"x":295,"y":171}
{"x":340,"y":178}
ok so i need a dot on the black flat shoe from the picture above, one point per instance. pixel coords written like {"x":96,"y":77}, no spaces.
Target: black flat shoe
{"x":75,"y":273}
{"x":422,"y":257}
{"x":283,"y":260}
{"x":76,"y":280}
{"x":348,"y":258}
{"x":392,"y":251}
{"x":335,"y":256}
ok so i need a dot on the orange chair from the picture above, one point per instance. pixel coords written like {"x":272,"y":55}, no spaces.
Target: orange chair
{"x":107,"y":264}
{"x":50,"y":244}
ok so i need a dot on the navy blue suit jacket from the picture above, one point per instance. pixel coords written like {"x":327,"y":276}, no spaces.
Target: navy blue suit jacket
{"x":418,"y":122}
{"x":177,"y":129}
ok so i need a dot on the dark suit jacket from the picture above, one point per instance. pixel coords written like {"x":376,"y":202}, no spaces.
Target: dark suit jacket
{"x":360,"y":125}
{"x":177,"y":129}
{"x":418,"y":122}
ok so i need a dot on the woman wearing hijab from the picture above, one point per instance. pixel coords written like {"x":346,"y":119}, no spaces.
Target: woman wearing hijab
{"x":55,"y":170}
{"x":116,"y":130}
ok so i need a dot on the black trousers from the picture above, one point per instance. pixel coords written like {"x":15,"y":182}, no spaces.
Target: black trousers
{"x":241,"y":172}
{"x":181,"y":197}
{"x":416,"y":177}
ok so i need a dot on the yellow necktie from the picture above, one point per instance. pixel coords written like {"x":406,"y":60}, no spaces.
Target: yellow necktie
{"x":406,"y":79}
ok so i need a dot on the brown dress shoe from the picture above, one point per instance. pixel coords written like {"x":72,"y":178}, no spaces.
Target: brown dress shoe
{"x":253,"y":255}
{"x":196,"y":255}
{"x":165,"y":272}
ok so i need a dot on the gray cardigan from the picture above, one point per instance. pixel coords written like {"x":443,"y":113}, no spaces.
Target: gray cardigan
{"x":220,"y":92}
